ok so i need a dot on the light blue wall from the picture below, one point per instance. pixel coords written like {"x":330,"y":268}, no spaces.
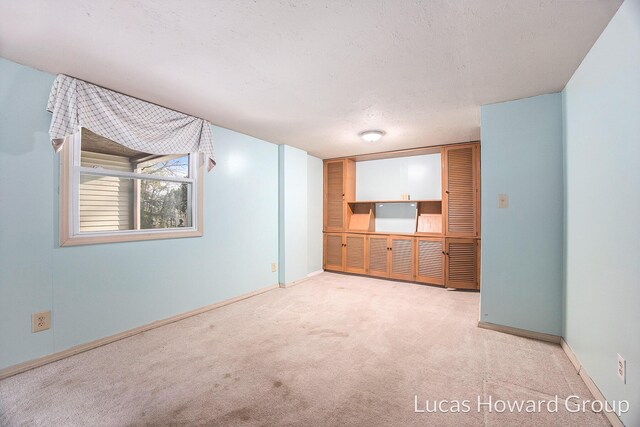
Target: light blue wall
{"x":602,"y":147}
{"x":315,"y":200}
{"x":293,"y":219}
{"x":522,"y":245}
{"x":99,"y":290}
{"x":27,"y":186}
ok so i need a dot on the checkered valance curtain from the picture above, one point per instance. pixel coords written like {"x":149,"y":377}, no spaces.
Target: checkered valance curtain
{"x":136,"y":124}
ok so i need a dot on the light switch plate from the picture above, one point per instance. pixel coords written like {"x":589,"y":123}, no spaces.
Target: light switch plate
{"x":503,"y":201}
{"x":40,"y":321}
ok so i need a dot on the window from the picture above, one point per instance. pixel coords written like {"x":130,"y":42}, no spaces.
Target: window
{"x":111,"y":193}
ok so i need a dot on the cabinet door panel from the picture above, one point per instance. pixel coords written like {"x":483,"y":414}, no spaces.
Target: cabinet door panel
{"x":430,"y":261}
{"x":355,"y":256}
{"x":378,"y":256}
{"x":401,"y":258}
{"x":334,"y":252}
{"x":334,"y":196}
{"x":461,"y":191}
{"x":462,"y":263}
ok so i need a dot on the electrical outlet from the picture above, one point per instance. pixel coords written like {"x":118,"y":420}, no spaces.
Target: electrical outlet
{"x":503,"y":201}
{"x":40,"y":321}
{"x":622,"y":369}
{"x":273,"y":267}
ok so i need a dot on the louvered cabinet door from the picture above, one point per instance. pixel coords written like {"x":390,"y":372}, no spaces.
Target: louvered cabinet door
{"x":355,"y":253}
{"x":334,"y":251}
{"x":462,"y":263}
{"x":401,"y":257}
{"x":378,"y":256}
{"x":461,"y":190}
{"x":334,"y":195}
{"x":430,"y":261}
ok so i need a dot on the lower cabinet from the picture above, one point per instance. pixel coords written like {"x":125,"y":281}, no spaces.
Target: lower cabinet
{"x":401,"y":251}
{"x":355,"y":253}
{"x":378,"y":256}
{"x":334,"y":251}
{"x":390,"y":256}
{"x":462,"y":263}
{"x":430,"y":260}
{"x":345,"y":252}
{"x":450,"y":262}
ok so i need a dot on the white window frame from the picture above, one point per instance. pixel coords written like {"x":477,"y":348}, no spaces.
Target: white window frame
{"x":69,"y":190}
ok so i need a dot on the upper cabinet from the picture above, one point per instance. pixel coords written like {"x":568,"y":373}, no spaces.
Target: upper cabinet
{"x":339,"y":186}
{"x":461,"y":197}
{"x":419,"y":177}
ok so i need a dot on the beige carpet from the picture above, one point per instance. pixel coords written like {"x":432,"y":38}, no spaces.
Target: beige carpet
{"x":335,"y":350}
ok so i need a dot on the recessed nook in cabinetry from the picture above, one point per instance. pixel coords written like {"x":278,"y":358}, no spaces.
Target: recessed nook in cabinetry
{"x":362,"y":216}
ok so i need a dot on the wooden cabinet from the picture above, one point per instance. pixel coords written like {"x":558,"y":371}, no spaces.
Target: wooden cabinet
{"x":462,"y":263}
{"x":430,"y":260}
{"x":378,"y":256}
{"x":443,"y":249}
{"x":401,"y":254}
{"x":390,"y":256}
{"x":339,"y":187}
{"x":334,"y":253}
{"x":345,"y":252}
{"x":355,"y":250}
{"x":461,"y":195}
{"x":450,"y":262}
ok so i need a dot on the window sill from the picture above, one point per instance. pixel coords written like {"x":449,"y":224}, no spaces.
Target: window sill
{"x":115,"y":238}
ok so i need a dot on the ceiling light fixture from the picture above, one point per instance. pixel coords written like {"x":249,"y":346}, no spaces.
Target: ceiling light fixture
{"x":371,"y":135}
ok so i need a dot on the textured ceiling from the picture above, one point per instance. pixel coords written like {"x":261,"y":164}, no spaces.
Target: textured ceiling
{"x":313,"y":74}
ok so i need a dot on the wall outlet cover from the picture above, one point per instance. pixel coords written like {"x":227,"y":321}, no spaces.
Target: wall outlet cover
{"x":503,"y":201}
{"x":40,"y":321}
{"x":274,"y":267}
{"x":622,"y":369}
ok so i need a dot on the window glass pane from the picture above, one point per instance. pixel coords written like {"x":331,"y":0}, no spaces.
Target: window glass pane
{"x":164,"y":204}
{"x":106,"y":203}
{"x":99,"y":152}
{"x":111,"y":204}
{"x":175,"y":165}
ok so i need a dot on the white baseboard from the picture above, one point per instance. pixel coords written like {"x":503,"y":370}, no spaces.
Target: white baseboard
{"x":315,"y":273}
{"x":304,"y":279}
{"x":296,"y":282}
{"x":593,"y":388}
{"x":520,"y":332}
{"x":54,"y":357}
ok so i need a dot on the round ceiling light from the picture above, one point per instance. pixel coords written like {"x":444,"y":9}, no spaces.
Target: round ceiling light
{"x":371,"y":135}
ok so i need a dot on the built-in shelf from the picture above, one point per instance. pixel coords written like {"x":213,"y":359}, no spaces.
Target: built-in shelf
{"x":395,"y":201}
